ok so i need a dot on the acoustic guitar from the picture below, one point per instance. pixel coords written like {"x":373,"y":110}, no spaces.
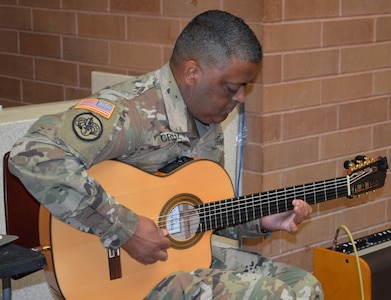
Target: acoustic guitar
{"x":190,"y":201}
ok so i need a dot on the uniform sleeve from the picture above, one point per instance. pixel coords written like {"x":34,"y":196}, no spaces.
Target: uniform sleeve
{"x":251,"y":229}
{"x":53,"y":168}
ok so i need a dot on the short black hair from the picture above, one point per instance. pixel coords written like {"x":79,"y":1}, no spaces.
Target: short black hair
{"x":215,"y":36}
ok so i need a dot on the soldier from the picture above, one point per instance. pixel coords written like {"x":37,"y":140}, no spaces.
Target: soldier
{"x":146,"y":122}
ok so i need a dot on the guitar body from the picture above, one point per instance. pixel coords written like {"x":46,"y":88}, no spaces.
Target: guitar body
{"x":78,"y":263}
{"x":190,"y":202}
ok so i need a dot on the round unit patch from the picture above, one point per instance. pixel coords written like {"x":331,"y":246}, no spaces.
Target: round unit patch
{"x":87,"y":127}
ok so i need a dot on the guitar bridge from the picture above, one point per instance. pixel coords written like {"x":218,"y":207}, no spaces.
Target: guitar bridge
{"x":114,"y":257}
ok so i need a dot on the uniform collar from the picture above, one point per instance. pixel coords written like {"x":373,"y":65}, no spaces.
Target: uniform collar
{"x":176,"y":108}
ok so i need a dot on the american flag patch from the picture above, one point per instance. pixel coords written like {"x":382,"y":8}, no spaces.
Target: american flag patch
{"x":101,"y":107}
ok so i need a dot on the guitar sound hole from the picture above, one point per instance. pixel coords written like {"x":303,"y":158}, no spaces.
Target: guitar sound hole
{"x":182,"y":222}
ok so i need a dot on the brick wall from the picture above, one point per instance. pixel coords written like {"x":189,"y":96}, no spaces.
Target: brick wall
{"x":322,"y":96}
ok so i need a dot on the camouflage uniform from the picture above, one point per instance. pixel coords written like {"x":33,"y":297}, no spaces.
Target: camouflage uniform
{"x":142,"y":122}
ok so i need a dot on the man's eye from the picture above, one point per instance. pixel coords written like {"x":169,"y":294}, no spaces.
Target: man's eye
{"x":231,"y":91}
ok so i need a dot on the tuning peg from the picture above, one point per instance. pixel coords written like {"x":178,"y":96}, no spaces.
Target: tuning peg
{"x":348,"y":164}
{"x":360,"y":158}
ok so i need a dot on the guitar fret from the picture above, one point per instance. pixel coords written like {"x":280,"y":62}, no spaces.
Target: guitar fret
{"x":269,"y":204}
{"x":209,"y":218}
{"x":228,"y":215}
{"x":221,"y":217}
{"x":254,"y":211}
{"x":286,"y":202}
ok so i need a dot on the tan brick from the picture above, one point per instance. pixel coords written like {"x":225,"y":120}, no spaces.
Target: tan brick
{"x":48,"y":70}
{"x":188,"y":9}
{"x":363,"y":112}
{"x":40,"y":44}
{"x":330,"y":208}
{"x":247,"y":9}
{"x":336,"y":89}
{"x":310,"y":232}
{"x":272,"y":10}
{"x":345,"y":142}
{"x":290,"y":95}
{"x":263,"y":129}
{"x":54,"y":21}
{"x":382,"y":81}
{"x":10,"y":88}
{"x":167,"y":52}
{"x":17,"y":66}
{"x":310,"y":64}
{"x":254,"y":101}
{"x":290,"y":153}
{"x":252,"y":182}
{"x":271,"y":69}
{"x":293,"y":36}
{"x":364,"y":7}
{"x":388,"y":211}
{"x":15,"y":17}
{"x":301,"y":123}
{"x":86,"y":50}
{"x":101,"y":25}
{"x":345,"y":32}
{"x":136,"y":56}
{"x":382,"y":135}
{"x":253,"y":154}
{"x":37,"y":92}
{"x":271,"y":181}
{"x":323,"y":170}
{"x":363,"y":216}
{"x":147,"y":6}
{"x":383,"y":193}
{"x":303,"y":9}
{"x":383,"y":32}
{"x":41,"y":3}
{"x":153,"y":30}
{"x":97,"y":5}
{"x":363,"y":58}
{"x":8,"y":41}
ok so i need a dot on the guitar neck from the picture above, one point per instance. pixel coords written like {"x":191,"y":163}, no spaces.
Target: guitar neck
{"x":229,"y":212}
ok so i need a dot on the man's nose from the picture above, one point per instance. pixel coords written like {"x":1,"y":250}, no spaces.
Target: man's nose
{"x":240,"y":95}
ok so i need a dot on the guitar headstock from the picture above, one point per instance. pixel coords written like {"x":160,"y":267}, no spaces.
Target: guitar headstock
{"x":366,"y":174}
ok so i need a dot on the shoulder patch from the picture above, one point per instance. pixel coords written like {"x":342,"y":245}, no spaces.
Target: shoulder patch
{"x":98,"y":106}
{"x":86,"y":133}
{"x":87,"y":127}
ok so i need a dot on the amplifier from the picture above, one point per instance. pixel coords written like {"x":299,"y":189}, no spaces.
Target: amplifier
{"x":336,"y":268}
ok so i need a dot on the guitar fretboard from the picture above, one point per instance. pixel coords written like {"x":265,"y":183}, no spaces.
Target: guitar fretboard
{"x":229,"y":212}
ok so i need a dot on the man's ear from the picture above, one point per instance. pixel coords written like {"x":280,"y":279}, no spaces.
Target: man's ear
{"x":192,"y":72}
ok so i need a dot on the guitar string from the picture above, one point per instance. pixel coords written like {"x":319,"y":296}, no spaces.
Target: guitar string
{"x":242,"y":202}
{"x":194,"y":218}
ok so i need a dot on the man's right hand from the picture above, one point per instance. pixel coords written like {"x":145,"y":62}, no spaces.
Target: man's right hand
{"x":149,"y":243}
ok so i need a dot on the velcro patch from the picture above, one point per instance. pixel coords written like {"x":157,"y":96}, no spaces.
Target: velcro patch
{"x":87,"y":127}
{"x":86,"y":132}
{"x":101,"y":107}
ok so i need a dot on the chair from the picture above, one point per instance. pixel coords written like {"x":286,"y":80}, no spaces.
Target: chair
{"x":22,"y":219}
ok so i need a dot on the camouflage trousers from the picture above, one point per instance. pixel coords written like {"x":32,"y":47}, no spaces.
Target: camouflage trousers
{"x":238,"y":274}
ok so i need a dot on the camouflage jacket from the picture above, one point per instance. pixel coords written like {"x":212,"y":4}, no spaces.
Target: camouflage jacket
{"x":142,"y":121}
